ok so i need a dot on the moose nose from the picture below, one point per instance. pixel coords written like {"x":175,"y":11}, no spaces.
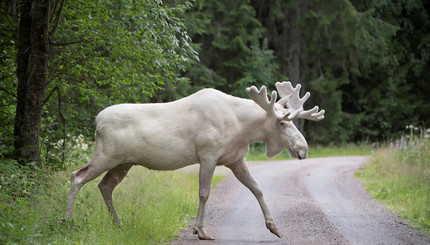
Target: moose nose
{"x":302,"y":155}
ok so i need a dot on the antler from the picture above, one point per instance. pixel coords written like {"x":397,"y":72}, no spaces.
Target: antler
{"x":291,"y":98}
{"x":261,"y":98}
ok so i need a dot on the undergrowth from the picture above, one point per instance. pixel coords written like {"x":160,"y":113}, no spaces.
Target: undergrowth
{"x":154,"y":206}
{"x":401,"y":180}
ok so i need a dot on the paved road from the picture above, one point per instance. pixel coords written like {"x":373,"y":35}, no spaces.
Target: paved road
{"x":314,"y":201}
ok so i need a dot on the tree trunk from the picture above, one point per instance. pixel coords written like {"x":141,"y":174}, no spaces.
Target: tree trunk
{"x":32,"y":61}
{"x":293,"y":62}
{"x":284,"y":34}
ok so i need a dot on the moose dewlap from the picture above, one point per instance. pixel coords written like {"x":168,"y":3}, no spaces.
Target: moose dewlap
{"x":209,"y":127}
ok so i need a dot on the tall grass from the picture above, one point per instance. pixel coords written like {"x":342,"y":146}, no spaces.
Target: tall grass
{"x":401,"y":180}
{"x":154,"y":207}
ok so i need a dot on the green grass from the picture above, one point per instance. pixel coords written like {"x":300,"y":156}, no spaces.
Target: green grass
{"x":345,"y":150}
{"x":154,"y":206}
{"x":256,"y":152}
{"x":401,"y":180}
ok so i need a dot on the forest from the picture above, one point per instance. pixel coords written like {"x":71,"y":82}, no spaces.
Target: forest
{"x":364,"y":62}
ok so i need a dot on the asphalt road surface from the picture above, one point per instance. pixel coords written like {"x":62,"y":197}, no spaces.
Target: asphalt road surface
{"x":313,"y":201}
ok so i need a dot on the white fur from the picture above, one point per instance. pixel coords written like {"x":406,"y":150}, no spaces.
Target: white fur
{"x":209,"y":127}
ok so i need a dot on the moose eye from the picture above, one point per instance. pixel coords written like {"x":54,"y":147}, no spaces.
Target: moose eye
{"x":283,"y":125}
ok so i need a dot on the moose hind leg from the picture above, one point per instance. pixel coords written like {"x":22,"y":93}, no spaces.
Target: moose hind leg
{"x":79,"y":178}
{"x":112,"y":178}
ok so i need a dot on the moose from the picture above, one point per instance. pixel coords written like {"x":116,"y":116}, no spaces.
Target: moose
{"x":209,"y":128}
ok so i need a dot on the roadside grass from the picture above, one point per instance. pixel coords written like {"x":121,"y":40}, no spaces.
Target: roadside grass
{"x":344,"y":150}
{"x":256,"y":152}
{"x":401,"y":180}
{"x":153,"y":205}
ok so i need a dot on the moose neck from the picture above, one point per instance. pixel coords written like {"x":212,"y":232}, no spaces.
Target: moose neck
{"x":254,"y":120}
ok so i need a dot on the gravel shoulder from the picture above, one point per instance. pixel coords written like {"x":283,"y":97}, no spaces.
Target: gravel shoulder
{"x":314,"y":201}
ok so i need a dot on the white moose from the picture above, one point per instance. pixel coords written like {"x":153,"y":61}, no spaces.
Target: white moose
{"x":209,"y":127}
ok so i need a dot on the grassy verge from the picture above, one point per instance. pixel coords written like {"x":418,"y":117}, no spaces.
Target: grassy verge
{"x":154,"y":207}
{"x":401,"y":180}
{"x":256,"y":152}
{"x":345,"y":150}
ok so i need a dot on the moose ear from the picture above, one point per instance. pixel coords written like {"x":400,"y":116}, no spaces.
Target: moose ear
{"x":269,"y":97}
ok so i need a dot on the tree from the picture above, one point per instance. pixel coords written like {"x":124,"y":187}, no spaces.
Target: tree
{"x":233,"y":52}
{"x":281,"y":20}
{"x":405,"y":88}
{"x":76,"y":58}
{"x":32,"y":67}
{"x":110,"y":52}
{"x":326,"y":45}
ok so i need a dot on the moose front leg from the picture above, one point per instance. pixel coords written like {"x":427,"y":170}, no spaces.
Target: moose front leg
{"x":205,"y":176}
{"x":240,"y":170}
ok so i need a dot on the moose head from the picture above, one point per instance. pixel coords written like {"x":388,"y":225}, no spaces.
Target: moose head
{"x":289,"y":107}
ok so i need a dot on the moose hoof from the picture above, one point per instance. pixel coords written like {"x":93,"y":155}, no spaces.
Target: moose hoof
{"x":202,"y":234}
{"x":117,"y":223}
{"x":273,"y":229}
